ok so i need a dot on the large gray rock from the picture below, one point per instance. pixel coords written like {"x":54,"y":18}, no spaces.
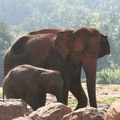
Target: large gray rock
{"x":12,"y":108}
{"x":87,"y":113}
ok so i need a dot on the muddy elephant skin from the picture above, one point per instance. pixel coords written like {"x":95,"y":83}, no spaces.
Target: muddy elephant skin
{"x":31,"y":84}
{"x":66,"y":51}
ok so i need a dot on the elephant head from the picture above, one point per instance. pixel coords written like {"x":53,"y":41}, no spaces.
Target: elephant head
{"x":91,"y":40}
{"x":52,"y":82}
{"x":104,"y":46}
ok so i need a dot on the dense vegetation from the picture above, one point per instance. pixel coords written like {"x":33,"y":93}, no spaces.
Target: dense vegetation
{"x":21,"y":16}
{"x":6,"y":37}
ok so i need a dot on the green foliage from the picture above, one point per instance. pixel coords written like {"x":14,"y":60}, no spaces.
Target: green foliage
{"x":5,"y":41}
{"x":5,"y":36}
{"x":109,"y":76}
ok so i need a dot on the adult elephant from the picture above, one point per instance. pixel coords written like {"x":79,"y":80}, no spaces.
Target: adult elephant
{"x":91,"y":45}
{"x":49,"y":48}
{"x":64,"y":50}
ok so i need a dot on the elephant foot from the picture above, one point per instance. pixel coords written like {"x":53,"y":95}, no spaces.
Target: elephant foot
{"x":93,"y":103}
{"x":81,"y":104}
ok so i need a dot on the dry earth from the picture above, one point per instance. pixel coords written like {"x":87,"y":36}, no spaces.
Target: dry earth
{"x":106,"y":94}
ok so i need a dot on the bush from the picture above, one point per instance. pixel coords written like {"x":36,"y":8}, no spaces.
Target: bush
{"x":109,"y":76}
{"x":6,"y":37}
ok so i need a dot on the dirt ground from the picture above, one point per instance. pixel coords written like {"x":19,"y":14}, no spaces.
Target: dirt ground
{"x":106,"y":94}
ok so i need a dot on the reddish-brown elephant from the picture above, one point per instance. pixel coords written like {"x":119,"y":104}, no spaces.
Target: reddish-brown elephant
{"x":91,"y":45}
{"x":66,"y":51}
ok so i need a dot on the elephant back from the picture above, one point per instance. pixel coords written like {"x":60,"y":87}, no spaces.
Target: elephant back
{"x":18,"y":46}
{"x":45,"y":31}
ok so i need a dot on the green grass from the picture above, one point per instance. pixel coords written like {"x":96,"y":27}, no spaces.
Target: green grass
{"x":104,"y":101}
{"x":109,"y":100}
{"x":72,"y":103}
{"x":1,"y":92}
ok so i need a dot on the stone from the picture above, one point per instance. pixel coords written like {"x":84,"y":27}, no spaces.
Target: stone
{"x":12,"y":108}
{"x":24,"y":118}
{"x":113,"y":113}
{"x":87,"y":113}
{"x":52,"y":111}
{"x":103,"y":108}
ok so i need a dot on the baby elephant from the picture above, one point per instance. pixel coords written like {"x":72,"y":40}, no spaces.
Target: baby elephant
{"x":31,"y":84}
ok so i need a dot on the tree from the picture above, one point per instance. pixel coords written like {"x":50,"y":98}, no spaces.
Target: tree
{"x":5,"y":41}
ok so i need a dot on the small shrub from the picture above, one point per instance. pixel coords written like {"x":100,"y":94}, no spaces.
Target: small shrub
{"x":109,"y":76}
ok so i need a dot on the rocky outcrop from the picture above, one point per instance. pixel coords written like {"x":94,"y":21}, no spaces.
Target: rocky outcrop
{"x":12,"y":108}
{"x":87,"y":113}
{"x":113,"y":113}
{"x":53,"y":111}
{"x":58,"y":111}
{"x":25,"y":118}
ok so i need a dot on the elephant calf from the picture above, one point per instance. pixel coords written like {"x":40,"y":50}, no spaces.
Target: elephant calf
{"x":31,"y":84}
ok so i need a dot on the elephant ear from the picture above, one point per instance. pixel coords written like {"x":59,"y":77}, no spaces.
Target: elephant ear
{"x":104,"y":46}
{"x":64,"y":42}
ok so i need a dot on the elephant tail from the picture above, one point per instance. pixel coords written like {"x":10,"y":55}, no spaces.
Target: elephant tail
{"x":3,"y":96}
{"x":18,"y":46}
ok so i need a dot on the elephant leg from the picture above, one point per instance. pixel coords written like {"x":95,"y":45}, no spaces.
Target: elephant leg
{"x":33,"y":101}
{"x":35,"y":97}
{"x":66,"y":85}
{"x":36,"y":101}
{"x":59,"y":96}
{"x":42,"y":100}
{"x":76,"y":87}
{"x":77,"y":90}
{"x":65,"y":95}
{"x":89,"y":67}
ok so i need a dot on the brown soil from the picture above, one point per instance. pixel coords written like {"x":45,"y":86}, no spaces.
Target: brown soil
{"x":105,"y":94}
